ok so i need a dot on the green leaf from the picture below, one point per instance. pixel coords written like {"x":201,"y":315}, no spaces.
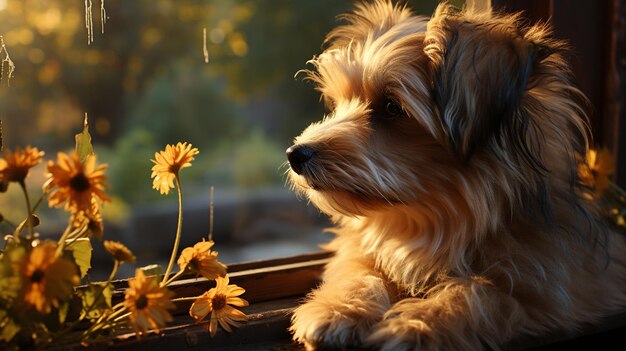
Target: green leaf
{"x":12,"y":259}
{"x":80,"y":250}
{"x":69,"y":311}
{"x":9,"y":287}
{"x":83,"y":142}
{"x":153,"y":269}
{"x":8,"y":327}
{"x":96,"y":300}
{"x":63,"y":308}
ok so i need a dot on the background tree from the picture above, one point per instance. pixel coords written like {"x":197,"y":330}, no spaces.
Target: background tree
{"x":144,"y":82}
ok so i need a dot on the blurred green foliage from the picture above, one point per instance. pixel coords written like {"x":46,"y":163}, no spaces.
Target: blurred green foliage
{"x":144,"y":82}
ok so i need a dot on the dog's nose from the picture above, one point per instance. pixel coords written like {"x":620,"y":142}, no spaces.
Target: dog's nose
{"x":298,"y":155}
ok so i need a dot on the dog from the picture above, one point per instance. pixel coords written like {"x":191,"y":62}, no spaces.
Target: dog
{"x":449,"y":164}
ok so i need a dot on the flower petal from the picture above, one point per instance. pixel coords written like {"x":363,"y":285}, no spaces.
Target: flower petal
{"x":213,"y":326}
{"x":236,"y":301}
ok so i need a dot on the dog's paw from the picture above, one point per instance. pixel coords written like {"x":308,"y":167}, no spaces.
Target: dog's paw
{"x":324,"y":325}
{"x":340,"y":319}
{"x":399,"y":333}
{"x":425,"y":325}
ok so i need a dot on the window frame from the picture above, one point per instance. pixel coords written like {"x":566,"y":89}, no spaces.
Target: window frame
{"x":274,"y":288}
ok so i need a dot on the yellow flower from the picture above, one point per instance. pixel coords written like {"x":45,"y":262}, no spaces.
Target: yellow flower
{"x":598,"y":167}
{"x":148,"y":302}
{"x":15,"y":165}
{"x":91,"y":218}
{"x":168,"y":163}
{"x":47,"y":279}
{"x":201,"y":260}
{"x":216,"y":301}
{"x":119,"y":251}
{"x":75,"y":183}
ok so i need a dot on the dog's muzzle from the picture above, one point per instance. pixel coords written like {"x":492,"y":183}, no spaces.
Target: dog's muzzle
{"x":298,"y":156}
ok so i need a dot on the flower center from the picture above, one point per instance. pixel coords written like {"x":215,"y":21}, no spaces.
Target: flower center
{"x":17,"y":174}
{"x":219,"y":301}
{"x":37,"y":276}
{"x":174,"y":168}
{"x":79,"y":183}
{"x":142,"y":302}
{"x":94,"y":227}
{"x":194,"y":265}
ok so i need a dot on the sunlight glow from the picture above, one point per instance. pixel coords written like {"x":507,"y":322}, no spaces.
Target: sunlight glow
{"x":3,"y":4}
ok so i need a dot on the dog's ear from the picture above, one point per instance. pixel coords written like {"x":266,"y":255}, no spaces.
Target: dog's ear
{"x":481,"y":67}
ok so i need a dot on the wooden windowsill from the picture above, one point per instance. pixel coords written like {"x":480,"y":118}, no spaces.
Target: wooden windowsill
{"x":274,"y":288}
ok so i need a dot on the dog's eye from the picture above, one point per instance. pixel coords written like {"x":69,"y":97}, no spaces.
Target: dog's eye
{"x":392,"y":108}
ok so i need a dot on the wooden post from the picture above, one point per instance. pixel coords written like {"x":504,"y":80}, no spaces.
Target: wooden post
{"x":615,"y":107}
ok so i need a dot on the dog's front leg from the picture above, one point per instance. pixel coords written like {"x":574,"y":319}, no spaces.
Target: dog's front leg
{"x":341,"y":312}
{"x":461,"y":314}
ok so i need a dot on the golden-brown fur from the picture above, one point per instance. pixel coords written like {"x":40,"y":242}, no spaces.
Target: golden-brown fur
{"x":449,"y":163}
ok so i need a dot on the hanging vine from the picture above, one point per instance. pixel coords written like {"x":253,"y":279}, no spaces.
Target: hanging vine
{"x":205,"y":51}
{"x":6,"y":62}
{"x":103,"y":15}
{"x":89,"y":19}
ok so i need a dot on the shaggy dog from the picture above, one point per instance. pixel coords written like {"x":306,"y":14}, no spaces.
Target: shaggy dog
{"x":449,"y":162}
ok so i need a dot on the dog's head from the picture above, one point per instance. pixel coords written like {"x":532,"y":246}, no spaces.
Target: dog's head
{"x":460,"y":114}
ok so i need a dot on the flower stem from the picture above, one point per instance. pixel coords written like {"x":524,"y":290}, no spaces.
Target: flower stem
{"x":117,"y":319}
{"x":116,"y":266}
{"x":178,"y":230}
{"x":19,"y":228}
{"x":29,"y":210}
{"x":174,"y":277}
{"x":71,"y":326}
{"x":63,"y":239}
{"x":34,"y":208}
{"x":181,"y":299}
{"x":102,"y":322}
{"x":77,"y":233}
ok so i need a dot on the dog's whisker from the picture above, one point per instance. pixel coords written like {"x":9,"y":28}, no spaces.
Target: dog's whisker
{"x":283,"y":165}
